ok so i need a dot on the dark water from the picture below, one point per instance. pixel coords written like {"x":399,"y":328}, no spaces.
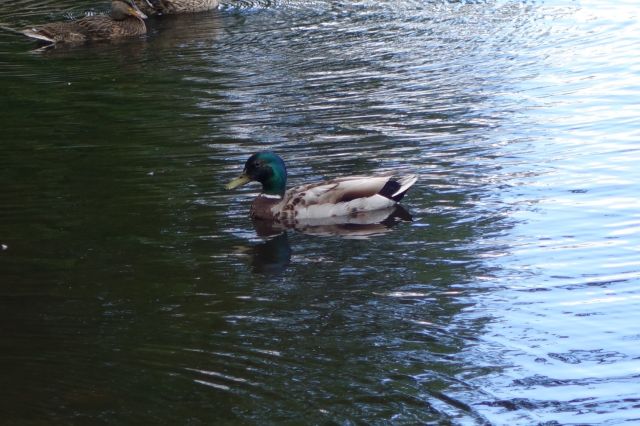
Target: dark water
{"x":135,"y":290}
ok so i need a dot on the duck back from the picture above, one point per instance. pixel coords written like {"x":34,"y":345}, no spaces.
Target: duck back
{"x":167,"y":7}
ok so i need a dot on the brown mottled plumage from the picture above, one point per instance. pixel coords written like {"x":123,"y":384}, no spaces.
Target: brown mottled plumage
{"x":125,"y":20}
{"x":167,"y":7}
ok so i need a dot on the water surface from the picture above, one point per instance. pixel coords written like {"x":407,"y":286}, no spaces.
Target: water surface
{"x":134,"y":288}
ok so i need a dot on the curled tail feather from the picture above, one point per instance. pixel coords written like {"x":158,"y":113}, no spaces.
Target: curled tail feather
{"x":405,"y":182}
{"x":395,"y":189}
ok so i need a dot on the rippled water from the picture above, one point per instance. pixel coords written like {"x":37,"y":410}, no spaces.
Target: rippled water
{"x":134,"y":288}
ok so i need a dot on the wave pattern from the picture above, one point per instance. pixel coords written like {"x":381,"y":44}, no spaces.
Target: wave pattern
{"x":135,"y":290}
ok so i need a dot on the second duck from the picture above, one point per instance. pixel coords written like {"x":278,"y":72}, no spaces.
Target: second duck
{"x":125,"y":20}
{"x":168,"y":7}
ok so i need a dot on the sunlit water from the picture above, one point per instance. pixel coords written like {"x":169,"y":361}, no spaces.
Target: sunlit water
{"x":135,"y":290}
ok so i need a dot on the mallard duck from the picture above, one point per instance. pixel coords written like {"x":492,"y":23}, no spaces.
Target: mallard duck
{"x":346,"y":196}
{"x":166,"y":7}
{"x":125,"y":20}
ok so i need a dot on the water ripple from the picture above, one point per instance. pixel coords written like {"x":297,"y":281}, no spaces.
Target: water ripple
{"x":134,"y":288}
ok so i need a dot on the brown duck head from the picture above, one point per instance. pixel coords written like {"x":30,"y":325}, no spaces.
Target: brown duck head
{"x":121,"y":9}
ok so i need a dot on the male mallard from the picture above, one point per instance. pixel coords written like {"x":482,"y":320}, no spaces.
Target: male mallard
{"x":166,"y":7}
{"x":125,"y":20}
{"x":345,"y":196}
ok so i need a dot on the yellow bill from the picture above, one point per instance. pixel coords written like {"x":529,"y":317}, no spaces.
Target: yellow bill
{"x":239,"y":181}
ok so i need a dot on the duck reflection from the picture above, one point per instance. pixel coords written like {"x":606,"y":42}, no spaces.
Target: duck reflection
{"x":361,"y":225}
{"x":274,"y":254}
{"x":271,"y":256}
{"x":191,"y":33}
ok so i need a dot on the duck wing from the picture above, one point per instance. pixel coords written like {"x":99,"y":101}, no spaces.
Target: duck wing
{"x":103,"y":27}
{"x":343,"y":196}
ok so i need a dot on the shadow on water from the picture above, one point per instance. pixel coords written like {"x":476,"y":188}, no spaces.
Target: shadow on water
{"x":272,"y":256}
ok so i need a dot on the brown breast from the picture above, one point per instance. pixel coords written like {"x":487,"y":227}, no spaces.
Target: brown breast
{"x":261,"y":208}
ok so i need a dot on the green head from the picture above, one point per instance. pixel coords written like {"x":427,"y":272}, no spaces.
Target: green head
{"x":267,"y":168}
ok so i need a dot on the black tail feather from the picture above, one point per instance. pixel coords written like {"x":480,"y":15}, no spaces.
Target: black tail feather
{"x":390,"y":188}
